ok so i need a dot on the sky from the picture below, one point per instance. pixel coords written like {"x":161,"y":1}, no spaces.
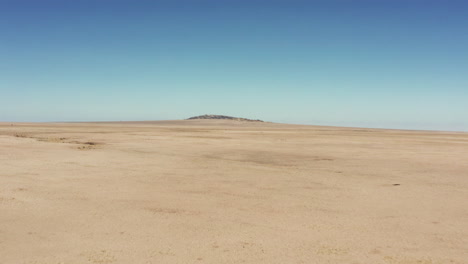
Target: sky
{"x":374,"y":63}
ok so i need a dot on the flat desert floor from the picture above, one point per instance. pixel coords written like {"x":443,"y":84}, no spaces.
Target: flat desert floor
{"x":231,"y":192}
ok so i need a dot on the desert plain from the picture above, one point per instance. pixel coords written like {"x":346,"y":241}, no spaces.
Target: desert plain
{"x":220,"y":191}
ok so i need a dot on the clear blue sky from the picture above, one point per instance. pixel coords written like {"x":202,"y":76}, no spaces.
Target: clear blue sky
{"x":394,"y":64}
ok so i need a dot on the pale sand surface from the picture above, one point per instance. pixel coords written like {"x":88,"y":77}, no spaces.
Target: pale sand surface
{"x":231,"y":192}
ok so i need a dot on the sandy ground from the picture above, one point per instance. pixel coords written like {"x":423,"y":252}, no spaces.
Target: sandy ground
{"x":231,"y":192}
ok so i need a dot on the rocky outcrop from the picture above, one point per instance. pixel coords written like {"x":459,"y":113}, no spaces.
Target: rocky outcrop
{"x":223,"y":117}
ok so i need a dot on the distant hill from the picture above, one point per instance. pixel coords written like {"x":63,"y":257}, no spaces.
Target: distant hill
{"x":223,"y":117}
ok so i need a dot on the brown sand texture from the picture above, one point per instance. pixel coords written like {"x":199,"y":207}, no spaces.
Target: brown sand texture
{"x":216,"y":191}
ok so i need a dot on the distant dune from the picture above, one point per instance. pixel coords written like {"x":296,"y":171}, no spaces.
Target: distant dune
{"x":224,"y":117}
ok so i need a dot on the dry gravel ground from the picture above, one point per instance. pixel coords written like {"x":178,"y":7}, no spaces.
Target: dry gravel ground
{"x":206,"y":191}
